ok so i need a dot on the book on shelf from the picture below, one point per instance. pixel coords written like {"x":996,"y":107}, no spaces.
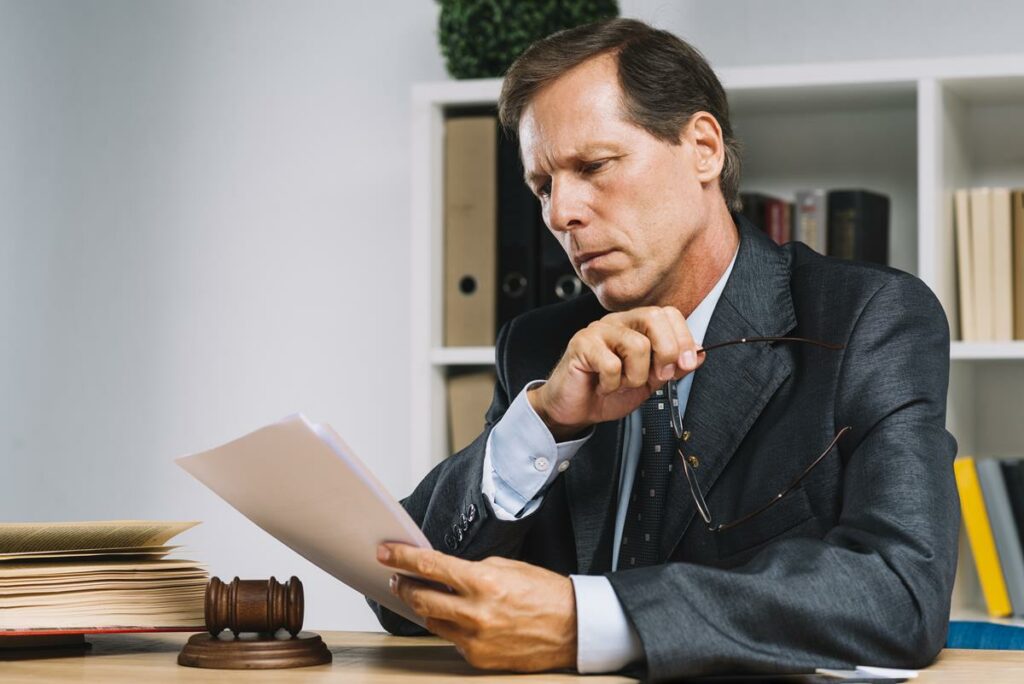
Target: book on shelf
{"x":470,"y":231}
{"x":989,"y":244}
{"x":811,"y":223}
{"x":965,"y":265}
{"x":104,"y":576}
{"x":980,"y":539}
{"x":469,"y":396}
{"x":849,"y":224}
{"x":858,"y":225}
{"x":981,"y":252}
{"x":1002,"y":265}
{"x":1017,"y":202}
{"x":769,"y":213}
{"x":1013,"y":476}
{"x":1004,"y":530}
{"x":520,"y":228}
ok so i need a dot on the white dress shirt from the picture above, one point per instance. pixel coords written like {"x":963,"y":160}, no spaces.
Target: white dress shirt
{"x":522,"y":459}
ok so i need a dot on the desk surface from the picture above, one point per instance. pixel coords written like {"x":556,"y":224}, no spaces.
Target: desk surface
{"x":380,"y":658}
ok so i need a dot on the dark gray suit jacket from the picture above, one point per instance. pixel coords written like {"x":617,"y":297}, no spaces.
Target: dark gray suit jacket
{"x":854,"y":567}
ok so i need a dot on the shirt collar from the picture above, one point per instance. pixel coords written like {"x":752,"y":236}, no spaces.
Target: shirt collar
{"x":701,"y":316}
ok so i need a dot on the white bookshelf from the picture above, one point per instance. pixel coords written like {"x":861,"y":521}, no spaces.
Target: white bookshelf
{"x":913,"y":129}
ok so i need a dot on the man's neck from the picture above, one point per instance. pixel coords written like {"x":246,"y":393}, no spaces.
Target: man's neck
{"x":707,"y":257}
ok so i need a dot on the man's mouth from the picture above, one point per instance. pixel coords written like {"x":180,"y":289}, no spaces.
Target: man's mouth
{"x":591,"y":258}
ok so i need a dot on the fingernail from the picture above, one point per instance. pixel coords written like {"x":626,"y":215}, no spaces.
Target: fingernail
{"x":689,"y":359}
{"x":667,"y":372}
{"x":393,"y":584}
{"x":383,"y":554}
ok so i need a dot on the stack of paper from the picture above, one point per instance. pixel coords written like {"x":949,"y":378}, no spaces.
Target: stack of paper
{"x":96,"y":576}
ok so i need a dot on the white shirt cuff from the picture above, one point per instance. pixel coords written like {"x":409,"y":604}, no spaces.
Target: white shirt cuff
{"x":605,"y":639}
{"x":521,"y":458}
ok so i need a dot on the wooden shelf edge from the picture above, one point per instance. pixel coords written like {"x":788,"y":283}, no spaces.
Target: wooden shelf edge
{"x":986,"y":351}
{"x":462,"y":356}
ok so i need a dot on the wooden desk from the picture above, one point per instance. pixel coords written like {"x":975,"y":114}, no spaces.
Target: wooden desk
{"x":379,"y":658}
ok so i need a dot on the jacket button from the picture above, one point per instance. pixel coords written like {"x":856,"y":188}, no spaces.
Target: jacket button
{"x":693,"y":461}
{"x":463,"y":522}
{"x":449,"y":541}
{"x":686,"y":435}
{"x":471,"y":513}
{"x":457,"y":531}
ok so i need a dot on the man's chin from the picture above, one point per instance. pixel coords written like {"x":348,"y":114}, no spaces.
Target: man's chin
{"x":614,"y":298}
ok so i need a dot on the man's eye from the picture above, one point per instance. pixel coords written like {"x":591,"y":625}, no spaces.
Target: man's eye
{"x":544,"y":190}
{"x":591,"y":167}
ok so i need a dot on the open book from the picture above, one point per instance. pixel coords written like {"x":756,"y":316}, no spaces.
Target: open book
{"x":97,"y":577}
{"x":301,"y":483}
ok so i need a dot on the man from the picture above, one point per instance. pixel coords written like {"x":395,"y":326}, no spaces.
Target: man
{"x":595,"y":523}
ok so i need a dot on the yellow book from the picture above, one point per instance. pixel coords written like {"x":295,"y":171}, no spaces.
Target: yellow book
{"x":979,"y":535}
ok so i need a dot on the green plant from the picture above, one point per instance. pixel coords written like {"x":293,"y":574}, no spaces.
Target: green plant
{"x":481,"y":38}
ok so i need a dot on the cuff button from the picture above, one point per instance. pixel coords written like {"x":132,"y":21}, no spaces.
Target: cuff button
{"x":449,"y":541}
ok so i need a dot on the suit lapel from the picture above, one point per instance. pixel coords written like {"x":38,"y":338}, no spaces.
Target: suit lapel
{"x":733,"y":385}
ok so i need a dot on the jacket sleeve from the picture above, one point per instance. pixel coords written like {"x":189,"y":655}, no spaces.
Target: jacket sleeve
{"x":876,"y":589}
{"x":450,"y":507}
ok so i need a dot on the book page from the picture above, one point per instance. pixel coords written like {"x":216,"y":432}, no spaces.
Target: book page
{"x":94,"y":554}
{"x":39,"y":571}
{"x":66,"y":536}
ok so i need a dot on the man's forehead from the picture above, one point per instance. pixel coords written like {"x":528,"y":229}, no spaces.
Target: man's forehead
{"x":579,"y":115}
{"x":590,"y":88}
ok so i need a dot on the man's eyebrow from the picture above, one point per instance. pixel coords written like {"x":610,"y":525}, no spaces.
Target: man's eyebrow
{"x":532,"y":178}
{"x":585,"y":152}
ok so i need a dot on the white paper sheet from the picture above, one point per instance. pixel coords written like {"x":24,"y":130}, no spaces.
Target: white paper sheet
{"x":303,"y":485}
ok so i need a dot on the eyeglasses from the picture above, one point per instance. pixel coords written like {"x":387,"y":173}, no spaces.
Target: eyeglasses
{"x":681,"y":436}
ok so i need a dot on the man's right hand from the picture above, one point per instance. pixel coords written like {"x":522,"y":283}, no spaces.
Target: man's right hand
{"x":612,"y":366}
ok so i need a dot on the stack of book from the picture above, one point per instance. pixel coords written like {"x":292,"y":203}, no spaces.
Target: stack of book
{"x":990,"y":263}
{"x":87,"y":577}
{"x":992,"y":502}
{"x":849,"y":224}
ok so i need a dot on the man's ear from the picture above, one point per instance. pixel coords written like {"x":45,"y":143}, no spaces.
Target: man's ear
{"x":705,"y":137}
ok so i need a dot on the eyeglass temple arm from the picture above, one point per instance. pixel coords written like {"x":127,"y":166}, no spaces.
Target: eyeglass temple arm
{"x":791,"y":486}
{"x":745,"y":340}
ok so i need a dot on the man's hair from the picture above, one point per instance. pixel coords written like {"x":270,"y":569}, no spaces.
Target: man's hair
{"x":664,"y":81}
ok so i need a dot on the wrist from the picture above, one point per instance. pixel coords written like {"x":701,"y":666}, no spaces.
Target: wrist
{"x":571,"y":642}
{"x":560,"y":431}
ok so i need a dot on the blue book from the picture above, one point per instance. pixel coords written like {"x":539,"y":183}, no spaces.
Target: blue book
{"x":985,"y":635}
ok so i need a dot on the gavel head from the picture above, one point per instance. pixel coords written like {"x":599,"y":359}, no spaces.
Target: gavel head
{"x":263,"y":606}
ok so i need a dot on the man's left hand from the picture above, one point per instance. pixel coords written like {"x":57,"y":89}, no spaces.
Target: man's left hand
{"x":501,"y":614}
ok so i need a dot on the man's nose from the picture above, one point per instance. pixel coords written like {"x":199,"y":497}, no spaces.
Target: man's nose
{"x":567,"y":208}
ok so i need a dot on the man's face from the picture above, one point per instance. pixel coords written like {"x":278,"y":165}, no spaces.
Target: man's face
{"x":623,"y":204}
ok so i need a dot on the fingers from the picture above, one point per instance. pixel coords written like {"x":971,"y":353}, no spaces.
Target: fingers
{"x":425,"y":600}
{"x":445,"y":629}
{"x":672,"y":348}
{"x":427,"y":563}
{"x":688,"y":360}
{"x":620,"y":356}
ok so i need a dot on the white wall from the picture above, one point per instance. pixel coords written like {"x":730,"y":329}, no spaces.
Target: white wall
{"x":204,"y":209}
{"x":205,"y":214}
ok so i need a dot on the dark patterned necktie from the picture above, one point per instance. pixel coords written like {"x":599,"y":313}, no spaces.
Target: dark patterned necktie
{"x":641,"y":532}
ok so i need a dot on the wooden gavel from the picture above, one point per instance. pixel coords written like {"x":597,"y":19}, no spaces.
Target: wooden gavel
{"x":263,"y":606}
